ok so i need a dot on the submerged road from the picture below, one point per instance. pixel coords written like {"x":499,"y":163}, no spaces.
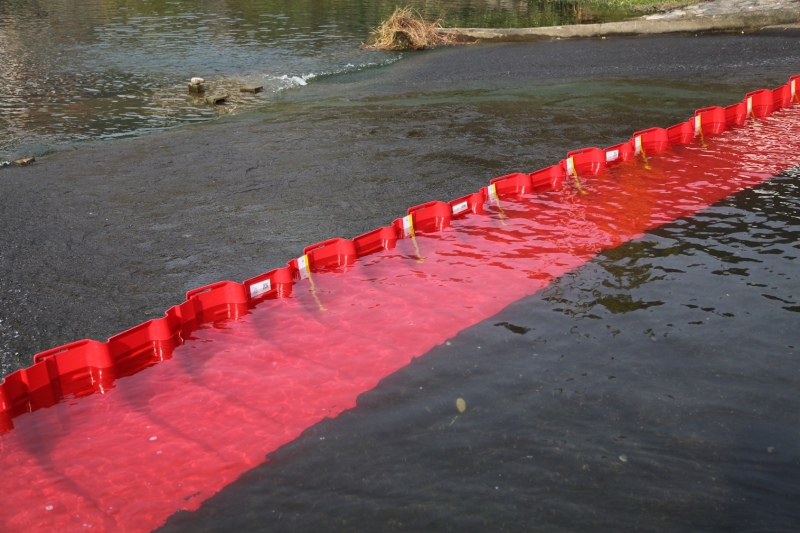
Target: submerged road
{"x":98,"y":240}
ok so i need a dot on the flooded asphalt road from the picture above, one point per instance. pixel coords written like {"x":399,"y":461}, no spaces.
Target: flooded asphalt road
{"x":95,"y":241}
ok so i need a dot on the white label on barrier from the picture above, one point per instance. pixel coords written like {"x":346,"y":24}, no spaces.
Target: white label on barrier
{"x":493,"y":191}
{"x":407,"y":225}
{"x":750,"y":106}
{"x":260,"y":288}
{"x":302,"y":266}
{"x":459,"y":208}
{"x":571,"y":167}
{"x":697,"y":128}
{"x":612,"y":155}
{"x":638,"y":145}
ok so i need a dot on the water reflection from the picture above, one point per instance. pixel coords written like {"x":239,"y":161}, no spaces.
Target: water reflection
{"x":102,"y":69}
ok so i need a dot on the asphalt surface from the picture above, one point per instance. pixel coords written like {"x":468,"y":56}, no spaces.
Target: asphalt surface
{"x":95,"y":241}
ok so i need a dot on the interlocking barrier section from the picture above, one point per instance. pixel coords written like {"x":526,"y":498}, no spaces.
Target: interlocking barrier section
{"x":119,"y":435}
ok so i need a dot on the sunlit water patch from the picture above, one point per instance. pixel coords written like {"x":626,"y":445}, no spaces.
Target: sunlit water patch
{"x":92,"y":70}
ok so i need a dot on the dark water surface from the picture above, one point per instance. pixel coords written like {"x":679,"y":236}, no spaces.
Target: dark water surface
{"x":653,"y":389}
{"x":82,"y":71}
{"x":94,"y":242}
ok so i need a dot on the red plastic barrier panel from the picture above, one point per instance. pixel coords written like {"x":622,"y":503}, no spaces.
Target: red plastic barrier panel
{"x":471,"y":203}
{"x":427,"y":217}
{"x":144,"y":345}
{"x":710,"y":120}
{"x":516,"y":183}
{"x":736,"y":114}
{"x":56,"y":372}
{"x":273,"y":284}
{"x":218,"y":301}
{"x":794,"y":89}
{"x":376,"y":240}
{"x":588,"y":161}
{"x":781,"y":97}
{"x":682,"y":133}
{"x":759,"y":103}
{"x":619,"y":153}
{"x":548,"y":178}
{"x":650,"y":141}
{"x":330,"y":254}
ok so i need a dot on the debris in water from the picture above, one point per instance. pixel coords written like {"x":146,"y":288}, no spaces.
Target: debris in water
{"x":196,"y":85}
{"x":252,"y":89}
{"x":24,"y":161}
{"x":462,"y":406}
{"x":623,"y":458}
{"x":216,"y":99}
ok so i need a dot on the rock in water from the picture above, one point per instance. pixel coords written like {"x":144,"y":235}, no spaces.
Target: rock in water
{"x":216,"y":99}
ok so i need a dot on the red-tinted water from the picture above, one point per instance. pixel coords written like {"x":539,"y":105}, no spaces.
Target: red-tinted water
{"x":172,"y":435}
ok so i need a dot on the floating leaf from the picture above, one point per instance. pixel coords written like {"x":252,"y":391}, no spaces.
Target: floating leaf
{"x":461,"y":404}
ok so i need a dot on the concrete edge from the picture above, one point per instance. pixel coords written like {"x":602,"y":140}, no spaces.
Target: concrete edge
{"x":730,"y":21}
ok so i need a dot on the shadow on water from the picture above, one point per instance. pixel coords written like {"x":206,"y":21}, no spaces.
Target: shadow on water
{"x":653,"y":389}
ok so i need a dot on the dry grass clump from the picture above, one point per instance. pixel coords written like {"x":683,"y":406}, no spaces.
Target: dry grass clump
{"x":407,"y":30}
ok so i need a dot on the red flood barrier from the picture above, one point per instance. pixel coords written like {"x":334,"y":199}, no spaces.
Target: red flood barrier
{"x":736,"y":114}
{"x":682,"y":133}
{"x":619,"y":153}
{"x":376,"y":240}
{"x":781,"y":97}
{"x":588,"y":161}
{"x":759,"y":103}
{"x":330,"y":254}
{"x":273,"y":284}
{"x":516,"y":183}
{"x":427,"y":217}
{"x":650,"y":141}
{"x":547,"y":178}
{"x":202,"y":426}
{"x":471,"y":203}
{"x":217,"y":301}
{"x":710,"y":120}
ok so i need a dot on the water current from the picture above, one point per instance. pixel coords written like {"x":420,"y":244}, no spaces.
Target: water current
{"x":80,"y":71}
{"x":572,"y":394}
{"x":652,"y":387}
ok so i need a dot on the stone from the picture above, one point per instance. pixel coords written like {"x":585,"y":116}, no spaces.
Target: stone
{"x":24,"y":161}
{"x":197,"y":81}
{"x":216,"y":99}
{"x":252,"y":89}
{"x":197,"y":88}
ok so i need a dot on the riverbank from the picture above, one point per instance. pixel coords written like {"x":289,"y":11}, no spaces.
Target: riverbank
{"x":99,"y":240}
{"x":721,"y":15}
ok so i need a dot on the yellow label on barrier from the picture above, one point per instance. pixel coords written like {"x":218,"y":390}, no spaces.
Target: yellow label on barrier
{"x":698,"y":128}
{"x":750,"y":107}
{"x":408,"y":226}
{"x":637,"y":144}
{"x":302,"y":266}
{"x":571,"y":167}
{"x":794,"y":91}
{"x":493,"y":192}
